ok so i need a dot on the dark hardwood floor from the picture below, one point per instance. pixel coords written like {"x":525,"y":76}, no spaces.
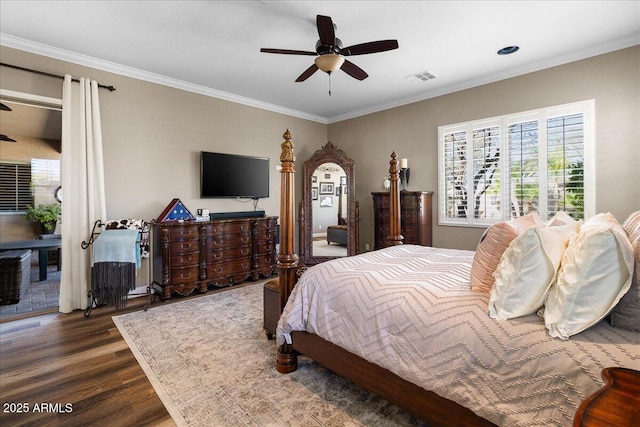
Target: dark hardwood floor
{"x":65,"y":369}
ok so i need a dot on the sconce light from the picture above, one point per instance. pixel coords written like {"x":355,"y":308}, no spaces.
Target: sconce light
{"x":404,"y":172}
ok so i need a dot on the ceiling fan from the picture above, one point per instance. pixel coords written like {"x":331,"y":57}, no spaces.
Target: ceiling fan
{"x":331,"y":55}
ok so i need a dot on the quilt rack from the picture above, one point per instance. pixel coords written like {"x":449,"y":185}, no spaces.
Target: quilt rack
{"x":142,"y":243}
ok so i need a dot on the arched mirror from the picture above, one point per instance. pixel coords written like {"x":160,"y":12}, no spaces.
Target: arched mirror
{"x":328,"y":213}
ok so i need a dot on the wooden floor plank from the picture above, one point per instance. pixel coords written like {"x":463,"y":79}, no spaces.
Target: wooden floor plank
{"x":84,"y":362}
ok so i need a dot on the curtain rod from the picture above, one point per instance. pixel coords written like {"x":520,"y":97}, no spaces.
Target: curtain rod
{"x":109,"y":88}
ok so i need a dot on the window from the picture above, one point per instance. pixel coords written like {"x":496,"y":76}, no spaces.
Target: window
{"x":505,"y":167}
{"x":15,"y":187}
{"x":45,"y":179}
{"x":23,"y":184}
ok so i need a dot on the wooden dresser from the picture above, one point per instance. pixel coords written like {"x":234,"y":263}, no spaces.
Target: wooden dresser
{"x":196,"y":255}
{"x":415,"y":217}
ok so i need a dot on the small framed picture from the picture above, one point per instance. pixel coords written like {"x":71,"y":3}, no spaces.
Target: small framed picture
{"x":314,"y":179}
{"x":326,"y":202}
{"x":327,"y":176}
{"x":314,"y":193}
{"x":343,"y":180}
{"x":326,"y":188}
{"x":338,"y":190}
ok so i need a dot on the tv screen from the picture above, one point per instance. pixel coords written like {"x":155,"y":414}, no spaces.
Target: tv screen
{"x":233,"y":176}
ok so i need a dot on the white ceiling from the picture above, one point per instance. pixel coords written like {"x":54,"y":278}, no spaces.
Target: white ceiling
{"x":213,"y":47}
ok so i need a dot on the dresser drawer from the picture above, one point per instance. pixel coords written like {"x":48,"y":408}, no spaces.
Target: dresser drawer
{"x":409,"y":203}
{"x":264,"y":237}
{"x":219,"y":229}
{"x":184,"y":246}
{"x":228,"y":268}
{"x":265,"y":247}
{"x":228,"y":240}
{"x":184,"y":275}
{"x":265,"y":262}
{"x":266,"y":226}
{"x":188,"y":232}
{"x":185,"y":260}
{"x":408,"y":219}
{"x":220,"y":255}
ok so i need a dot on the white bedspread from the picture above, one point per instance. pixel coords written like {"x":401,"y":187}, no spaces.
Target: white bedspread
{"x":409,"y":309}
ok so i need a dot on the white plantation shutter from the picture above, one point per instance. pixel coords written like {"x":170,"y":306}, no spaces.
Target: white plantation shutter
{"x":524,"y":170}
{"x":565,"y":148}
{"x":544,"y":163}
{"x":15,"y":187}
{"x":485,"y":193}
{"x":454,"y":160}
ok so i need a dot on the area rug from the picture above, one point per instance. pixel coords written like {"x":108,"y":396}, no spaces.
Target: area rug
{"x":211,"y":364}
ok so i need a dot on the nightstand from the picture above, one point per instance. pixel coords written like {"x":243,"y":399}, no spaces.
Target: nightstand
{"x":617,"y":403}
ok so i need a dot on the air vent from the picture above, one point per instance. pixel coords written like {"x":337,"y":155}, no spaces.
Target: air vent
{"x":423,"y":76}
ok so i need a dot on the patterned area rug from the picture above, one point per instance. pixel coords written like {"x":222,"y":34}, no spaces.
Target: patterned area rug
{"x":211,"y":364}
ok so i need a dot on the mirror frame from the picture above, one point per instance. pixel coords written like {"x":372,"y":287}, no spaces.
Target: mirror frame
{"x":328,"y":154}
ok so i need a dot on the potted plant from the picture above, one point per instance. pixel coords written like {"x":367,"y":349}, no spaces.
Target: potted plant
{"x":44,"y":214}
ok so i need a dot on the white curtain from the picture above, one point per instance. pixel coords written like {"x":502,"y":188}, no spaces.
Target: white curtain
{"x":83,"y":201}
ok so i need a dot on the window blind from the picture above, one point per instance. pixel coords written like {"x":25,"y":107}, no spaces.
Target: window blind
{"x":15,"y":187}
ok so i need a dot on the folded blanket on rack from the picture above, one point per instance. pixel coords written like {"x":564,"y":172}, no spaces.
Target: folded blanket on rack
{"x":134,"y":224}
{"x":117,"y":246}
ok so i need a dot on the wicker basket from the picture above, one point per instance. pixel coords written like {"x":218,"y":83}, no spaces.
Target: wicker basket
{"x":15,"y":272}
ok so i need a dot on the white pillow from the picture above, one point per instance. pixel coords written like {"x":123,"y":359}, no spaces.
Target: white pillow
{"x":561,"y":218}
{"x":595,"y":273}
{"x":527,"y":270}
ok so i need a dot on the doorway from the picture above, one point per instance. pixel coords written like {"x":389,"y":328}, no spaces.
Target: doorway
{"x":31,"y":126}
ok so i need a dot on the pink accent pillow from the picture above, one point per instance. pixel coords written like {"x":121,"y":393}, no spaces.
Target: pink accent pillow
{"x":495,"y":240}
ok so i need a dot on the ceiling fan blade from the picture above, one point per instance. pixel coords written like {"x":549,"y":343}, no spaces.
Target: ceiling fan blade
{"x":307,"y":73}
{"x":353,"y":70}
{"x":325,"y":30}
{"x":370,"y":47}
{"x":288,"y":52}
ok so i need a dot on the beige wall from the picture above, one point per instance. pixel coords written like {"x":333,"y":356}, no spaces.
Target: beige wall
{"x":613,"y":80}
{"x":153,"y":135}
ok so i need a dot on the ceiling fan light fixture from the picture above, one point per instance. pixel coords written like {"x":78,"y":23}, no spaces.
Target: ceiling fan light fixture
{"x":329,"y":62}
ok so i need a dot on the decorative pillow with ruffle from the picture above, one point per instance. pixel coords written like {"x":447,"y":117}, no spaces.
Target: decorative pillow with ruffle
{"x":492,"y":245}
{"x":595,"y":273}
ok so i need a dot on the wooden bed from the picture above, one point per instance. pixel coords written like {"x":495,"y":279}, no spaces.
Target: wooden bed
{"x":422,"y":403}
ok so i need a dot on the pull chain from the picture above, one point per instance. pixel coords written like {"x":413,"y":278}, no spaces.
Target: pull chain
{"x":329,"y":84}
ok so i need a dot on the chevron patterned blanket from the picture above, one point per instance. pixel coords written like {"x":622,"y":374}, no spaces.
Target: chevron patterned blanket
{"x":410,"y":309}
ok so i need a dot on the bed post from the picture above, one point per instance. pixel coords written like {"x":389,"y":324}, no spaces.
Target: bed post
{"x":287,"y":258}
{"x":395,"y":237}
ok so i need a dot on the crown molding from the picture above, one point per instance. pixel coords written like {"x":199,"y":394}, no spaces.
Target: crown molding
{"x":84,"y":60}
{"x":514,"y":72}
{"x":88,"y":61}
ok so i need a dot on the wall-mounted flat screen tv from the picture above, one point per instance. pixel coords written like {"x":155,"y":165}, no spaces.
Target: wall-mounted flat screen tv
{"x":233,"y":176}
